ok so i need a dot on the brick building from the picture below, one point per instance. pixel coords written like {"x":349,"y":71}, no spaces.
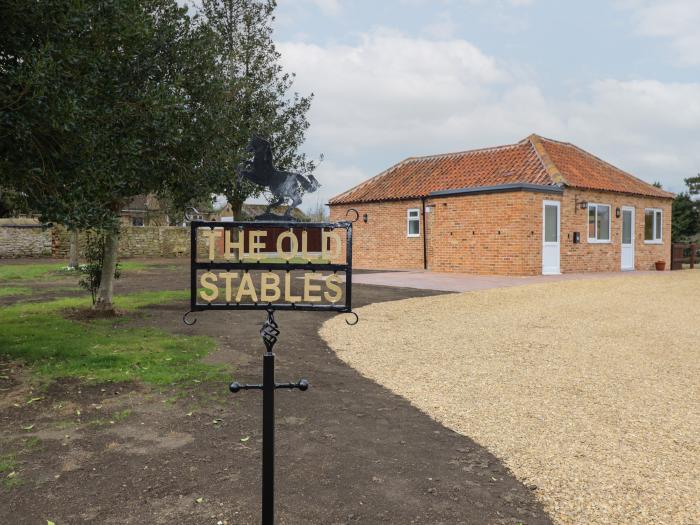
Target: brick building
{"x":536,"y":207}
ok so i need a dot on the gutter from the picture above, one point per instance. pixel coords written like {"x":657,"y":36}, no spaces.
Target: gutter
{"x":425,"y":234}
{"x":499,"y":188}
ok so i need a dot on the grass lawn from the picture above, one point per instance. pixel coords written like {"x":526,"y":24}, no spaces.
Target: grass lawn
{"x":54,"y":346}
{"x":9,"y":291}
{"x":32,"y":272}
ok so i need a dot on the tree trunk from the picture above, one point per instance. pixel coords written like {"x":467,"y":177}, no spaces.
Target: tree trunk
{"x":237,"y":209}
{"x":73,"y":260}
{"x":109,"y":265}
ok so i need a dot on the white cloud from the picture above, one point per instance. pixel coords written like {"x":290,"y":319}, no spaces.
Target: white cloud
{"x":675,"y":20}
{"x":391,"y":96}
{"x":329,"y":7}
{"x":647,"y":127}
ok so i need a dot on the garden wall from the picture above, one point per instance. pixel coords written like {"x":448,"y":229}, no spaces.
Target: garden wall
{"x":36,"y":240}
{"x":24,"y":240}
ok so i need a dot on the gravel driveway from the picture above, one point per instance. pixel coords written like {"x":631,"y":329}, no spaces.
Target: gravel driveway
{"x":588,"y":390}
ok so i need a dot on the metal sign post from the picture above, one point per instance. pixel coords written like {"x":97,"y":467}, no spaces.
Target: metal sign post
{"x":243,"y":252}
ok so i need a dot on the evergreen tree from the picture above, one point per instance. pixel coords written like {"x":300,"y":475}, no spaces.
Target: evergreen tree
{"x":258,"y":97}
{"x":686,"y":218}
{"x":693,"y":184}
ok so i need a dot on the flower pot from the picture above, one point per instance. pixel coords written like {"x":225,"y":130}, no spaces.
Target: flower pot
{"x":660,"y":266}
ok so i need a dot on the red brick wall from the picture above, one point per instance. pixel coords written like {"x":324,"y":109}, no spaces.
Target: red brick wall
{"x":606,"y":257}
{"x":499,"y":234}
{"x":481,"y":234}
{"x":381,"y":243}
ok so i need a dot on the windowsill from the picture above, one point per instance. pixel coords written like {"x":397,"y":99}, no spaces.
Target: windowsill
{"x":413,"y":236}
{"x":593,"y":241}
{"x":654,"y":242}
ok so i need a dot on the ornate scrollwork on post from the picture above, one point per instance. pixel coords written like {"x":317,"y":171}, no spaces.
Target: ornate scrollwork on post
{"x":270,"y":331}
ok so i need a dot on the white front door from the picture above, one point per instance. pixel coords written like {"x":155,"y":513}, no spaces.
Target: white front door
{"x":627,"y":242}
{"x":550,"y":238}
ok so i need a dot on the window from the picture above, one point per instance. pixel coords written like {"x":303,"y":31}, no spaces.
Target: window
{"x":653,"y":220}
{"x":413,"y":219}
{"x":598,"y":223}
{"x":137,"y":221}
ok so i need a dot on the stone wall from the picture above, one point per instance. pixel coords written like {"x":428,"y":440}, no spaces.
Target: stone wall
{"x":39,"y":241}
{"x":24,"y":240}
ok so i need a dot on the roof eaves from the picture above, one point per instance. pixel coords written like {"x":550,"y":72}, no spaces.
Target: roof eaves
{"x":662,"y":194}
{"x":540,"y":188}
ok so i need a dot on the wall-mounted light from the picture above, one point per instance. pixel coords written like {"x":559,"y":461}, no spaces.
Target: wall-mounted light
{"x":579,"y":204}
{"x":617,"y":212}
{"x":365,"y":218}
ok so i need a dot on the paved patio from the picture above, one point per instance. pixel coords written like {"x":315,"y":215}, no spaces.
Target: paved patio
{"x":461,"y":282}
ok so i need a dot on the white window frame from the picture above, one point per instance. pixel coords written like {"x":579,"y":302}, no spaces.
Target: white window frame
{"x":595,"y":240}
{"x":654,"y":240}
{"x":409,"y":218}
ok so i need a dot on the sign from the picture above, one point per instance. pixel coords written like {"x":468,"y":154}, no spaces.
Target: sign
{"x":276,"y":265}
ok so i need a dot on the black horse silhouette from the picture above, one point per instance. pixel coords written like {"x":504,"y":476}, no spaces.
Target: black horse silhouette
{"x":282,"y":184}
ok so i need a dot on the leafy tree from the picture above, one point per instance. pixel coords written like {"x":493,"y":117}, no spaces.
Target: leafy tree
{"x":258,"y":99}
{"x":101,"y":101}
{"x":693,"y":184}
{"x":686,"y":217}
{"x":11,"y":203}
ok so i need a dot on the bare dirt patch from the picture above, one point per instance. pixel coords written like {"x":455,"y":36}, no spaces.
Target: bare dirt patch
{"x":348,"y":450}
{"x":588,"y":390}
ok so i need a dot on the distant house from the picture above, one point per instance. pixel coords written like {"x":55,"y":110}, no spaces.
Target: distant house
{"x":539,"y":206}
{"x":143,"y":210}
{"x":250,"y":211}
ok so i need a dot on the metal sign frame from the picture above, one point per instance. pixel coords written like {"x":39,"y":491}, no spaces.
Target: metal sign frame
{"x":346,"y":267}
{"x":270,"y":329}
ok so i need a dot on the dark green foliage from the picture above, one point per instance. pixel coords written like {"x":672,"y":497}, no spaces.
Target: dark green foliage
{"x":12,"y":203}
{"x":693,"y":184}
{"x":686,"y":217}
{"x":258,"y":99}
{"x":101,"y":101}
{"x":94,"y":252}
{"x":686,"y":212}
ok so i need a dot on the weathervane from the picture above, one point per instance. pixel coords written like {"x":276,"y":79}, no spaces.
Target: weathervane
{"x":282,"y":184}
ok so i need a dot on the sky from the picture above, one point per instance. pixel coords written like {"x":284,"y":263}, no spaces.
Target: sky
{"x":399,"y":78}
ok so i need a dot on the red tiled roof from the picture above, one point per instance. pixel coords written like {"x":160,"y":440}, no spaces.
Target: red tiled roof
{"x":581,"y":169}
{"x":534,"y":160}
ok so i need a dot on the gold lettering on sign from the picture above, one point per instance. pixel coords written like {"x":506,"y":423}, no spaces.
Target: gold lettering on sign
{"x":288,"y":289}
{"x":255,"y":245}
{"x":293,"y":245}
{"x":330,"y":253}
{"x":246,"y":288}
{"x":331,"y":281}
{"x":211,"y":236}
{"x":207,"y":281}
{"x":304,"y":245}
{"x":269,"y":287}
{"x":230,"y":243}
{"x":228,"y":277}
{"x":308,"y":288}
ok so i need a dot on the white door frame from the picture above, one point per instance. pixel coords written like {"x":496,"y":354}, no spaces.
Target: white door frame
{"x":551,"y":269}
{"x":632,"y":245}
